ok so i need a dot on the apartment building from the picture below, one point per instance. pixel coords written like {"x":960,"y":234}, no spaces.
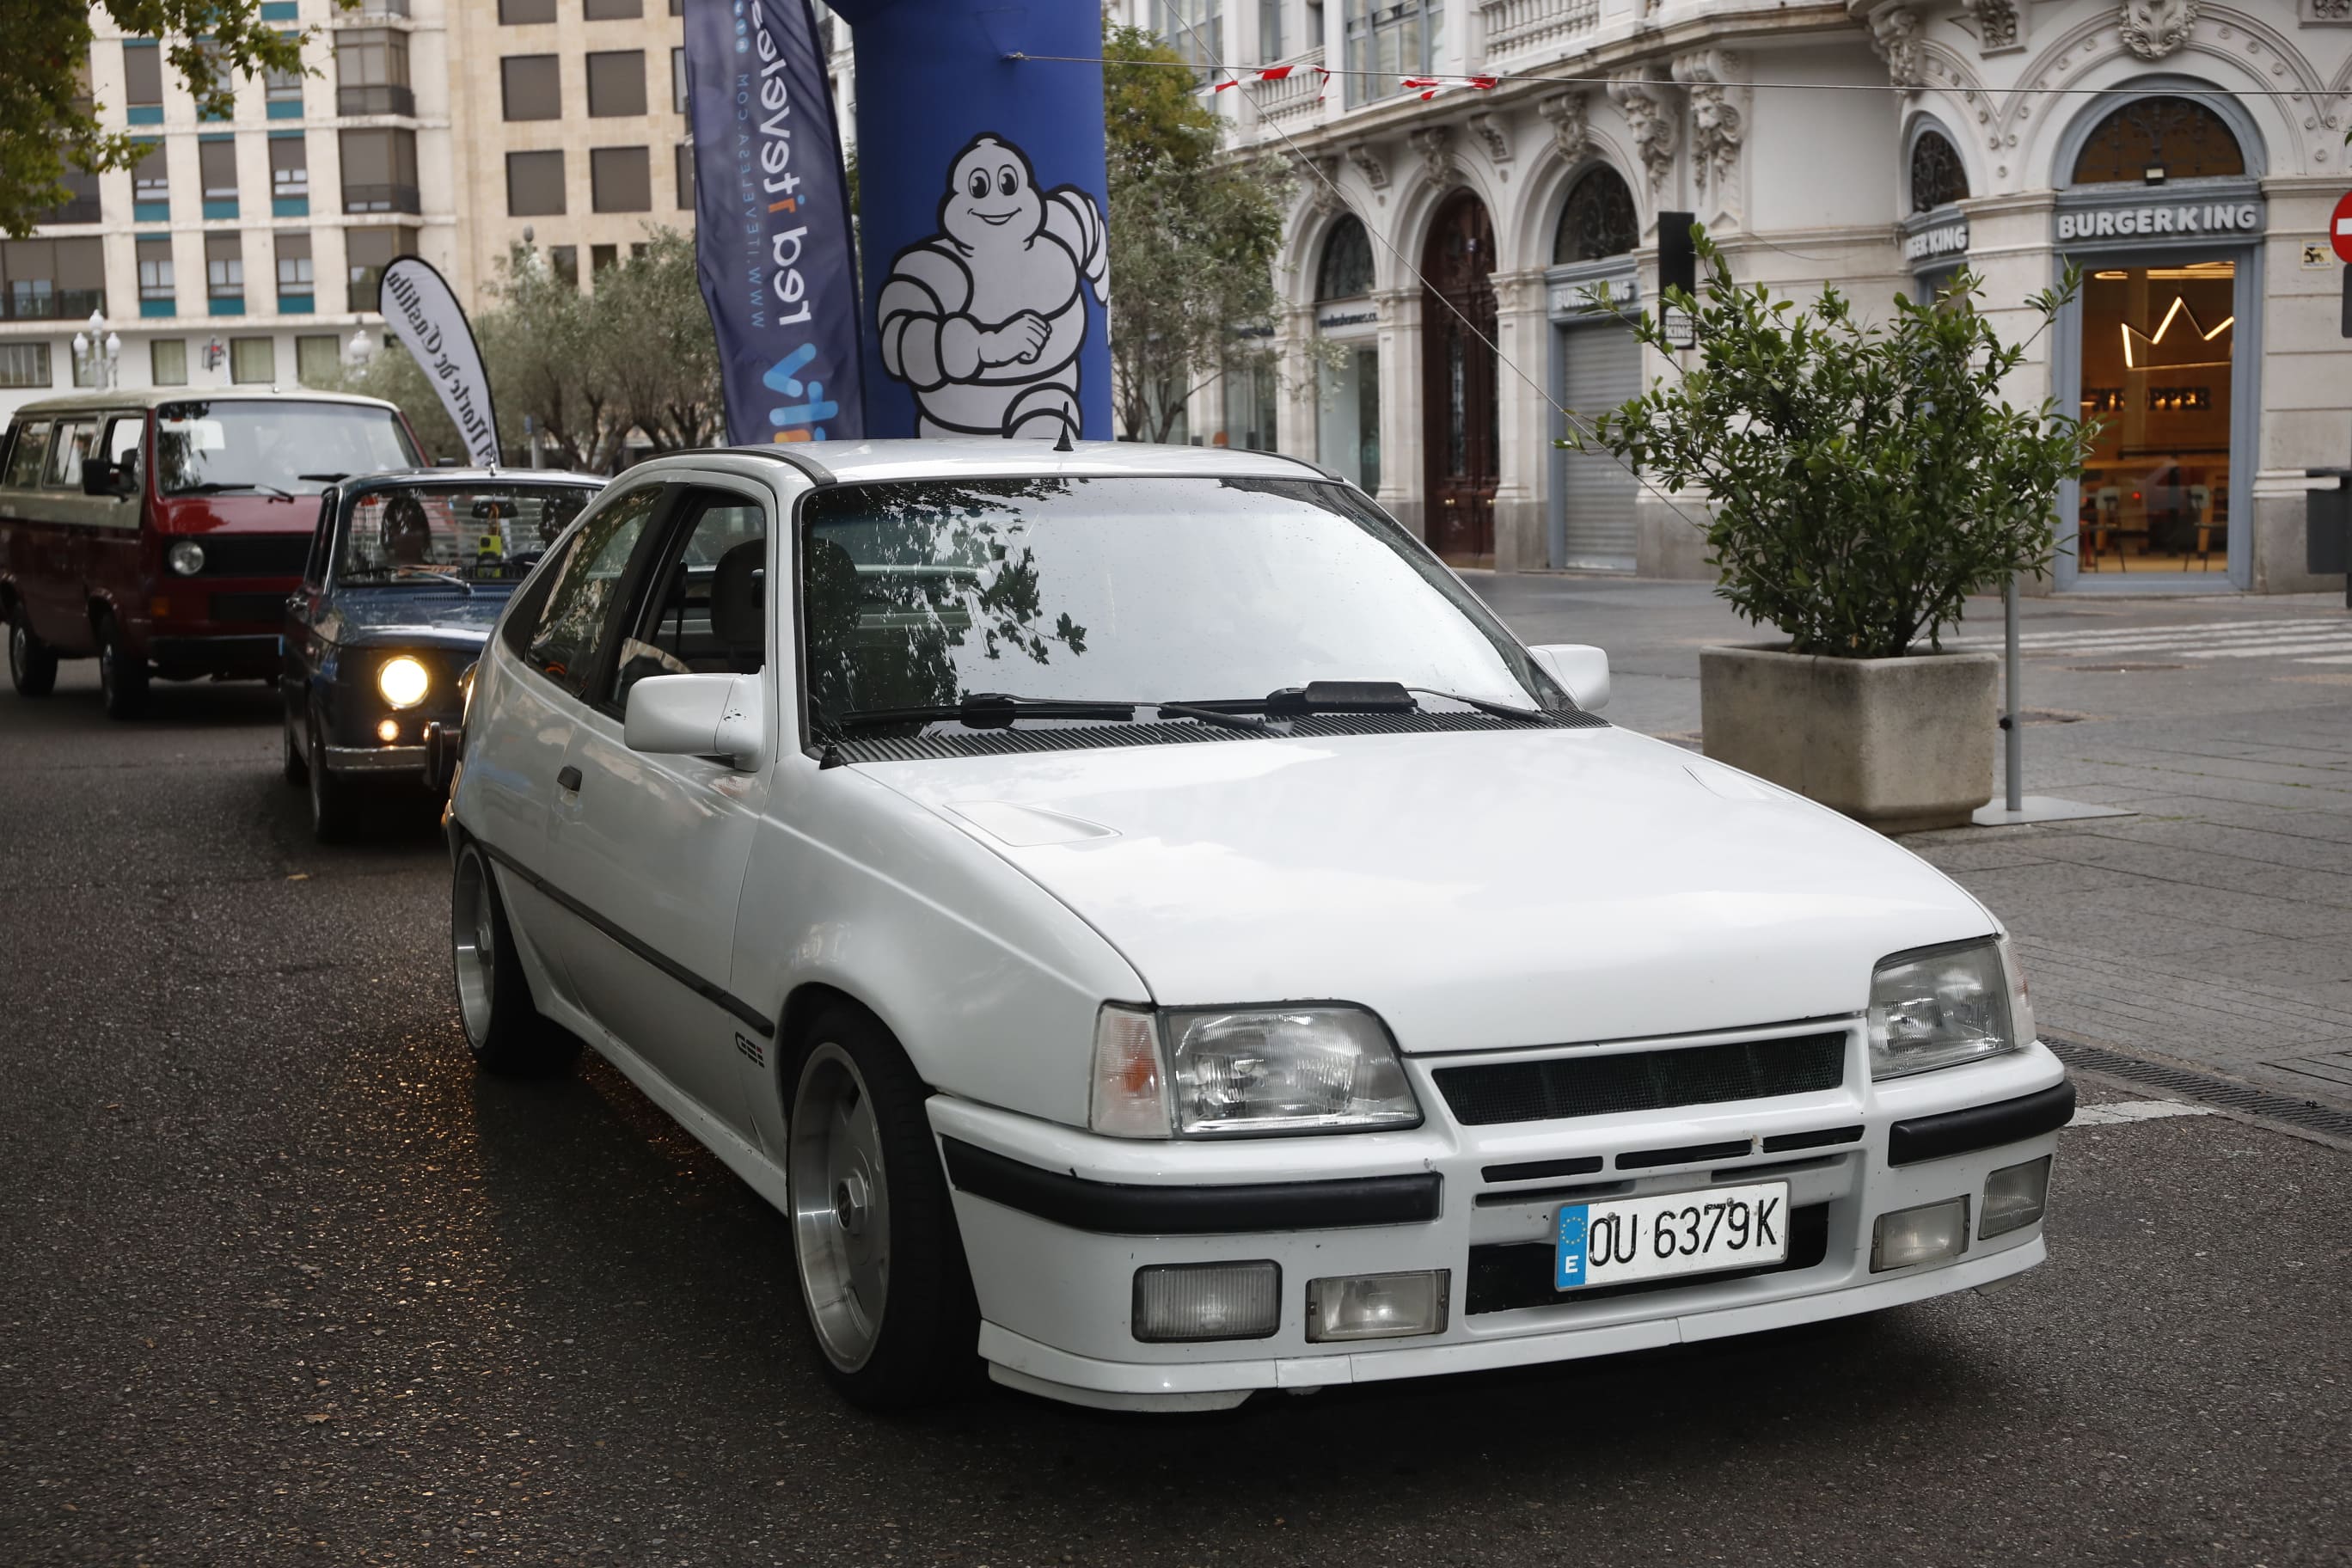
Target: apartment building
{"x":1441,"y":251}
{"x":241,"y":250}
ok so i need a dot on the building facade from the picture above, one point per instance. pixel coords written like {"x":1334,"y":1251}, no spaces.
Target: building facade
{"x":1441,"y":252}
{"x":242,"y":250}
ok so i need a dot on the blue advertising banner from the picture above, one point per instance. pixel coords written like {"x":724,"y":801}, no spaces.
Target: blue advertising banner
{"x":772,"y":222}
{"x":982,"y":216}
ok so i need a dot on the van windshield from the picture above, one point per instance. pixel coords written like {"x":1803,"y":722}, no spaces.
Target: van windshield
{"x":290,"y":449}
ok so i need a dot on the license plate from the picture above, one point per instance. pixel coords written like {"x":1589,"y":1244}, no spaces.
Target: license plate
{"x":1632,"y":1239}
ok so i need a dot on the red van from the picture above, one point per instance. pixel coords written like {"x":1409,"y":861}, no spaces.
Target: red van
{"x":160,"y":531}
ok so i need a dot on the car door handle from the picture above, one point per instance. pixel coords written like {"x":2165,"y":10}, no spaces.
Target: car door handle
{"x":568,"y":781}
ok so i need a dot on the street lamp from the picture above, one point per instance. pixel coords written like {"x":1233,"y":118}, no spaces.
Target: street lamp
{"x":99,"y":352}
{"x":362,"y":349}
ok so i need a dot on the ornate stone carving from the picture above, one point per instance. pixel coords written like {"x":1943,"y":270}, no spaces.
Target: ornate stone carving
{"x":1434,"y":146}
{"x":1571,"y":123}
{"x":2154,"y":28}
{"x":1367,"y":163}
{"x":1491,"y":137}
{"x":1996,"y":23}
{"x":1319,"y":179}
{"x":1719,"y":105}
{"x":1644,"y":101}
{"x":1895,"y":34}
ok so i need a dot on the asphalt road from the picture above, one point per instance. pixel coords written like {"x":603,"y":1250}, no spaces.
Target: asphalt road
{"x":282,"y":1281}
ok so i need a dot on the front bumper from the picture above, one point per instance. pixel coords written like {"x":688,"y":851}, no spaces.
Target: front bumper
{"x":1056,"y":1221}
{"x":375,"y":760}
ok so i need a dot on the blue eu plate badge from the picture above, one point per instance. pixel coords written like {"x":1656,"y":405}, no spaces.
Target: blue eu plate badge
{"x":1572,"y":1222}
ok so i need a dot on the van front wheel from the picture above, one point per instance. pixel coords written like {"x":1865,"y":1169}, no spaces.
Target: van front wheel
{"x":32,"y":663}
{"x":121,"y":674}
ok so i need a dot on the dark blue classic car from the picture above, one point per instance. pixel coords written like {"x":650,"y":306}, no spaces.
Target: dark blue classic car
{"x":407,"y":574}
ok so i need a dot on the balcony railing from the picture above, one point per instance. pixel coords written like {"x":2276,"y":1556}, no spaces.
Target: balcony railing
{"x":83,"y":208}
{"x":382,"y":199}
{"x":1294,"y":97}
{"x":384,"y":7}
{"x":1514,"y":27}
{"x":24,"y":304}
{"x":383,"y":100}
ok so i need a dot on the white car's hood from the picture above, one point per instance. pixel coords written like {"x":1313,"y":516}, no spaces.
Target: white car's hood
{"x":1475,"y":889}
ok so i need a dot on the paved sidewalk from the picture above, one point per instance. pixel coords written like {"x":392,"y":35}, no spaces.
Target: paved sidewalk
{"x":2214,"y":929}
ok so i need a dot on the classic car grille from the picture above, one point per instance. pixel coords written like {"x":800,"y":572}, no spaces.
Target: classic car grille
{"x":1506,"y":1276}
{"x":270,"y":607}
{"x":254,"y":555}
{"x":1561,"y":1086}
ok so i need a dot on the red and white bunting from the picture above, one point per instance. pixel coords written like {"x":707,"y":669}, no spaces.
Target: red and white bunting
{"x":1273,"y":73}
{"x":1431,"y":86}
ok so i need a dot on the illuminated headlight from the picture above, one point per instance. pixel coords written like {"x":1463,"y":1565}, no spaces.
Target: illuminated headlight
{"x":403,"y":681}
{"x":187,"y":558}
{"x":1939,"y":1006}
{"x":1286,"y":1069}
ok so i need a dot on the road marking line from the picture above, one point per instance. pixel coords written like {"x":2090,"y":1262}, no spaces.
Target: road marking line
{"x":2265,"y":650}
{"x":2122,"y":1110}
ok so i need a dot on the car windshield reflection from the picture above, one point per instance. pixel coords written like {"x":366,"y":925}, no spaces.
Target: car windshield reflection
{"x":423,"y":534}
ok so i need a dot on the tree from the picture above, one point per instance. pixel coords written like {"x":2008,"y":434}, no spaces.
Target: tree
{"x":1192,"y":235}
{"x":48,"y":121}
{"x":1865,"y":479}
{"x":636,"y":356}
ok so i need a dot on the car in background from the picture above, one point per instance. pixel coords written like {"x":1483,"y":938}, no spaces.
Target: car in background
{"x":1144,"y":921}
{"x":160,"y":530}
{"x":406,"y":573}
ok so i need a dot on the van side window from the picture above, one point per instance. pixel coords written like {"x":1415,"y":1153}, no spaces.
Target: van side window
{"x":31,"y":454}
{"x":72,"y":445}
{"x":122,"y":446}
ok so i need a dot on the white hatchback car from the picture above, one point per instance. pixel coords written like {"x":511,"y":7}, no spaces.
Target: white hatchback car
{"x":1140,"y":918}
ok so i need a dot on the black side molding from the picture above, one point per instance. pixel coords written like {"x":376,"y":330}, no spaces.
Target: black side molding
{"x":1980,"y":1126}
{"x":1125,"y":1209}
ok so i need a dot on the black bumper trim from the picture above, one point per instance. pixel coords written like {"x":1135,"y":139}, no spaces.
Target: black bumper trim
{"x":1980,"y":1126}
{"x":1126,"y":1209}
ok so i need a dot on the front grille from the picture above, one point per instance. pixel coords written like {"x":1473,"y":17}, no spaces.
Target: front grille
{"x":1561,"y":1086}
{"x":254,"y":555}
{"x":1506,"y":1277}
{"x":270,"y":607}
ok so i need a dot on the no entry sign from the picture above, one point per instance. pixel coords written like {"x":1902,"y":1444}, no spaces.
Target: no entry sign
{"x":2339,"y":229}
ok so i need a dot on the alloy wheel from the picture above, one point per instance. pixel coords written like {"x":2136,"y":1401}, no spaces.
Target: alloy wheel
{"x":473,"y":931}
{"x":840,"y":1194}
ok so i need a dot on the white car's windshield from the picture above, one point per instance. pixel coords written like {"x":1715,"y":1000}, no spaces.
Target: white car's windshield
{"x":222,"y":446}
{"x":1132,"y":589}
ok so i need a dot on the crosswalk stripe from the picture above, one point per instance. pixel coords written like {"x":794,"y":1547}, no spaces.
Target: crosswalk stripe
{"x":2240,"y":625}
{"x":2176,"y":634}
{"x":2339,"y":659}
{"x":2267,"y":651}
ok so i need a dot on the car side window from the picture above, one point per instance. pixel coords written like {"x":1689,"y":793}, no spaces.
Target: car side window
{"x":124,"y":437}
{"x":703,"y":611}
{"x":31,"y":454}
{"x":65,"y":454}
{"x":322,"y":542}
{"x":587,"y":588}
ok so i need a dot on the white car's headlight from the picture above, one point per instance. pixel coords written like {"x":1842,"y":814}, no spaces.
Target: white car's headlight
{"x":1938,"y":1007}
{"x":1232,"y":1072}
{"x":404,"y":681}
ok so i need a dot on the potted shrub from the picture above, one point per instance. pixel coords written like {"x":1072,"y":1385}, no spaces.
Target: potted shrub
{"x":1862,"y":480}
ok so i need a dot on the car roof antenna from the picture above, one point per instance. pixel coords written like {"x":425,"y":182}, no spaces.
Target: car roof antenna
{"x":1065,"y":444}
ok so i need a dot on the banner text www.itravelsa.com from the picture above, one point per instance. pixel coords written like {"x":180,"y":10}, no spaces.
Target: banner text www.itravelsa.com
{"x":772,"y":216}
{"x":425,"y":316}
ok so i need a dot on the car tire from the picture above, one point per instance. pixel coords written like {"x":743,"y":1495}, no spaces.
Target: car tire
{"x":32,"y":663}
{"x":298,"y":758}
{"x":504,"y":1029}
{"x":885,"y":1289}
{"x":335,"y":804}
{"x":121,"y":675}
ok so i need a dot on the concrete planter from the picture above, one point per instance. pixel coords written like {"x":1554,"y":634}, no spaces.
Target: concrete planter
{"x":1900,"y":744}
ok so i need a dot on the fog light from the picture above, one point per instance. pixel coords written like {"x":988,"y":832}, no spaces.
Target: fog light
{"x":2014,"y":1197}
{"x":1924,"y":1235}
{"x":1179,"y":1301}
{"x":388,"y":731}
{"x":1377,"y":1306}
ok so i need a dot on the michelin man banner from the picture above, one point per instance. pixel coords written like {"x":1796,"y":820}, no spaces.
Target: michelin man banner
{"x":772,"y":218}
{"x":980,"y":195}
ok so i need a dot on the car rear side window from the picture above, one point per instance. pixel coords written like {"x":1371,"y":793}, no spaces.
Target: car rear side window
{"x":32,"y":452}
{"x":586,"y":589}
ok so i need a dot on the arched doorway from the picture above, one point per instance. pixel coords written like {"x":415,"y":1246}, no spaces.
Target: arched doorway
{"x":1596,"y":365}
{"x":1348,"y":373}
{"x":1460,"y":431}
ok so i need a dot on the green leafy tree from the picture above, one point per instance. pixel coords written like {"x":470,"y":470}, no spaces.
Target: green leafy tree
{"x":48,"y":122}
{"x":1865,"y":479}
{"x":1193,"y":235}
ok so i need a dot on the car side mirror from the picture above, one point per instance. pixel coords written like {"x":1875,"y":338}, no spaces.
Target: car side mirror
{"x":695,"y":716}
{"x":1580,"y":668}
{"x":98,"y":478}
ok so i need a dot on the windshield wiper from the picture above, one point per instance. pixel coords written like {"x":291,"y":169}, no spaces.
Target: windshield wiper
{"x":420,"y":574}
{"x":1223,"y":717}
{"x":322,"y":478}
{"x":983,"y":711}
{"x":1348,"y":696}
{"x":222,"y":487}
{"x":1488,"y":705}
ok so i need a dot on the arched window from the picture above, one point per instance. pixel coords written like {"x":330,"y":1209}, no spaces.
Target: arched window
{"x":2177,"y":138}
{"x":1346,"y":269}
{"x":1598,"y":221}
{"x":1937,"y":177}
